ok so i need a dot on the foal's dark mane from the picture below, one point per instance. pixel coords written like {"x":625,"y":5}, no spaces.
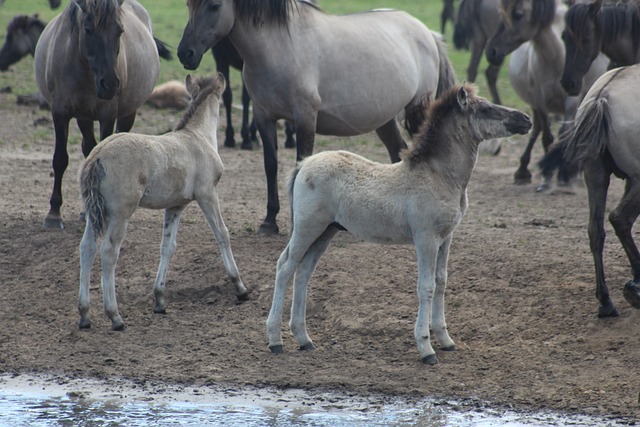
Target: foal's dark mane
{"x":206,"y":85}
{"x":431,"y":139}
{"x":103,"y":11}
{"x":543,"y":11}
{"x":23,"y":21}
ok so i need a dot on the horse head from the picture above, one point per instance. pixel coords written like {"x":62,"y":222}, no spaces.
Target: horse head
{"x":209,"y":22}
{"x":22,"y":35}
{"x":99,"y":28}
{"x":520,"y":21}
{"x":54,"y":4}
{"x":582,"y":39}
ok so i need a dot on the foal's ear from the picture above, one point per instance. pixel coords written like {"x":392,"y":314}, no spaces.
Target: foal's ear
{"x":192,"y":88}
{"x":220,"y":84}
{"x":463,"y":98}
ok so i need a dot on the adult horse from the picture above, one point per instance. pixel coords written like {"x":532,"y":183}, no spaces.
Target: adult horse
{"x":448,"y":14}
{"x":334,"y":75}
{"x":475,"y":23}
{"x":604,"y":141}
{"x":530,"y":30}
{"x":97,"y":60}
{"x":22,"y":36}
{"x":591,"y":28}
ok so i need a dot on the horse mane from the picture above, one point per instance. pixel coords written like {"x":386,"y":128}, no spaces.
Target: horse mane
{"x":206,"y":85}
{"x":543,"y":11}
{"x":24,"y":21}
{"x":430,"y":141}
{"x":103,"y":12}
{"x":618,"y":18}
{"x":259,"y":12}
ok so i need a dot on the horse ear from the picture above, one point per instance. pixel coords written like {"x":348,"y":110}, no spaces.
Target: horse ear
{"x":463,"y":98}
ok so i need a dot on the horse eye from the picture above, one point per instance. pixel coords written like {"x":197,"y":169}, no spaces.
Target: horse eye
{"x":214,"y":7}
{"x":517,"y":15}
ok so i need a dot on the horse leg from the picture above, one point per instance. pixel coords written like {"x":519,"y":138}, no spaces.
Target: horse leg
{"x":474,"y":61}
{"x":390,"y":136}
{"x":491,"y":73}
{"x":427,"y":251}
{"x":123,"y":124}
{"x":290,"y":133}
{"x":167,"y":249}
{"x":106,"y":127}
{"x":438,"y":322}
{"x":597,"y":179}
{"x":88,"y":250}
{"x":88,"y":137}
{"x":522,"y":175}
{"x":268,"y":133}
{"x":211,"y":208}
{"x":109,"y":252}
{"x":53,"y":220}
{"x":222,"y":66}
{"x":248,"y":136}
{"x":622,"y":219}
{"x":288,"y":263}
{"x":308,"y":264}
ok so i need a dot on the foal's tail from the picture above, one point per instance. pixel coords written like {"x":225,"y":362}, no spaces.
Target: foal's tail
{"x":91,"y":177}
{"x":291,"y":180}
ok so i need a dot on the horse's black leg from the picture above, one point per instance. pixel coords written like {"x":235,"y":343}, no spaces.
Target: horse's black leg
{"x":522,"y":175}
{"x":390,"y":136}
{"x":53,"y":220}
{"x":124,"y":124}
{"x":290,"y":132}
{"x":267,"y":129}
{"x":88,"y":137}
{"x":597,"y":178}
{"x":491,"y":73}
{"x":227,"y":100}
{"x":106,"y":128}
{"x":622,"y":219}
{"x":477,"y":49}
{"x":247,"y":140}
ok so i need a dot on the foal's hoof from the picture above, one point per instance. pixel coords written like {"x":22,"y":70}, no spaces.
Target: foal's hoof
{"x":307,"y":346}
{"x":430,"y":359}
{"x":632,"y":293}
{"x":243,"y":296}
{"x":53,"y":223}
{"x":608,"y":310}
{"x":118,"y":326}
{"x":450,"y":348}
{"x":84,"y":324}
{"x":276,"y":349}
{"x":268,"y":229}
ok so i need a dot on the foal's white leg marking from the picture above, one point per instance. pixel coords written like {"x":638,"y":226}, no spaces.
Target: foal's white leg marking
{"x":438,"y":323}
{"x":167,"y":249}
{"x":211,"y":208}
{"x":427,"y":254}
{"x":88,"y":251}
{"x":306,"y":267}
{"x":109,"y":251}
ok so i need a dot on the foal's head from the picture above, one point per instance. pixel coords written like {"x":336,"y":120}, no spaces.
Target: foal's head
{"x":461,"y":117}
{"x":202,"y":90}
{"x":22,"y":35}
{"x":98,"y":26}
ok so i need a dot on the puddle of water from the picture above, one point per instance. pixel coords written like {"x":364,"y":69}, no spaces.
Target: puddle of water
{"x":52,"y":401}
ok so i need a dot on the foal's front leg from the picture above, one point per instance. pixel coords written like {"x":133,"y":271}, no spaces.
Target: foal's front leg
{"x":167,"y":249}
{"x":427,"y":252}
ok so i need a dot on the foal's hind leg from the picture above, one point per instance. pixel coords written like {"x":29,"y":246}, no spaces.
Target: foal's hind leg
{"x":211,"y":208}
{"x":306,"y":267}
{"x":622,"y":219}
{"x":438,"y":323}
{"x":88,"y":250}
{"x":110,"y":251}
{"x":390,"y":136}
{"x":167,"y":249}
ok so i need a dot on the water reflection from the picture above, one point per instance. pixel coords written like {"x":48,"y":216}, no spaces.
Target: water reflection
{"x":21,"y":406}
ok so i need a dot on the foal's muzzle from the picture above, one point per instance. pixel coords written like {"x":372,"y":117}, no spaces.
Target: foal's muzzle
{"x":518,"y":122}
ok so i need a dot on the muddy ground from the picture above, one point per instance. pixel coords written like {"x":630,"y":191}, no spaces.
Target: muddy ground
{"x":520,"y":298}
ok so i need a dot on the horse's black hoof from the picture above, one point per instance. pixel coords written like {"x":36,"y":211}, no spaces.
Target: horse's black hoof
{"x":607,"y":310}
{"x":308,"y":346}
{"x":243,"y":297}
{"x":632,"y":293}
{"x":430,"y":359}
{"x":246,"y":145}
{"x":160,"y":310}
{"x":268,"y":229}
{"x":522,"y":177}
{"x":276,"y":349}
{"x":84,"y":324}
{"x":290,"y":144}
{"x":451,"y":348}
{"x":53,"y":223}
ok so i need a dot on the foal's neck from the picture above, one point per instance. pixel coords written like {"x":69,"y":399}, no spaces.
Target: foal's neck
{"x":204,"y":121}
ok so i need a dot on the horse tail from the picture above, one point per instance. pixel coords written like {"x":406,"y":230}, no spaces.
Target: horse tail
{"x":590,"y":133}
{"x":163,"y":49}
{"x":462,"y":25}
{"x":91,"y":176}
{"x":291,"y":180}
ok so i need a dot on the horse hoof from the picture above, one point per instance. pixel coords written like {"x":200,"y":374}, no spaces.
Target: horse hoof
{"x":607,"y":310}
{"x":243,"y":297}
{"x":160,"y":310}
{"x":229,"y":143}
{"x":450,"y":348}
{"x":118,"y":327}
{"x":430,"y":359}
{"x":84,"y":324}
{"x":308,"y":346}
{"x":268,"y":229}
{"x":543,"y":188}
{"x":289,"y":144}
{"x":246,"y":145}
{"x":632,"y":294}
{"x":276,"y":349}
{"x":53,"y":223}
{"x":522,"y":177}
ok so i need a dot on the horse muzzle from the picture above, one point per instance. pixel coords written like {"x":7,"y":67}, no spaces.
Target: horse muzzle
{"x":107,"y":88}
{"x":518,"y":123}
{"x":571,"y":86}
{"x":189,"y":59}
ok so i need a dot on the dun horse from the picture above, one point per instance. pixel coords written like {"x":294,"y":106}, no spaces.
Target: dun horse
{"x":22,"y":36}
{"x":327,"y":74}
{"x":97,"y":60}
{"x":127,"y":171}
{"x":418,"y":201}
{"x":604,"y":141}
{"x":530,"y":31}
{"x":476,"y":22}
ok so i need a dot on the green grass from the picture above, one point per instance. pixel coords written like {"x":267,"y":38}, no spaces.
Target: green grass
{"x":170,"y":16}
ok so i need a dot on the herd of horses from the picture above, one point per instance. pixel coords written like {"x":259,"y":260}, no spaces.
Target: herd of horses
{"x":292,"y":71}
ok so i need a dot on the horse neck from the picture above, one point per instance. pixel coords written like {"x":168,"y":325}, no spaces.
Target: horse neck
{"x":621,"y":33}
{"x":252,"y":42}
{"x":549,"y":49}
{"x":203,"y":122}
{"x":33,"y":34}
